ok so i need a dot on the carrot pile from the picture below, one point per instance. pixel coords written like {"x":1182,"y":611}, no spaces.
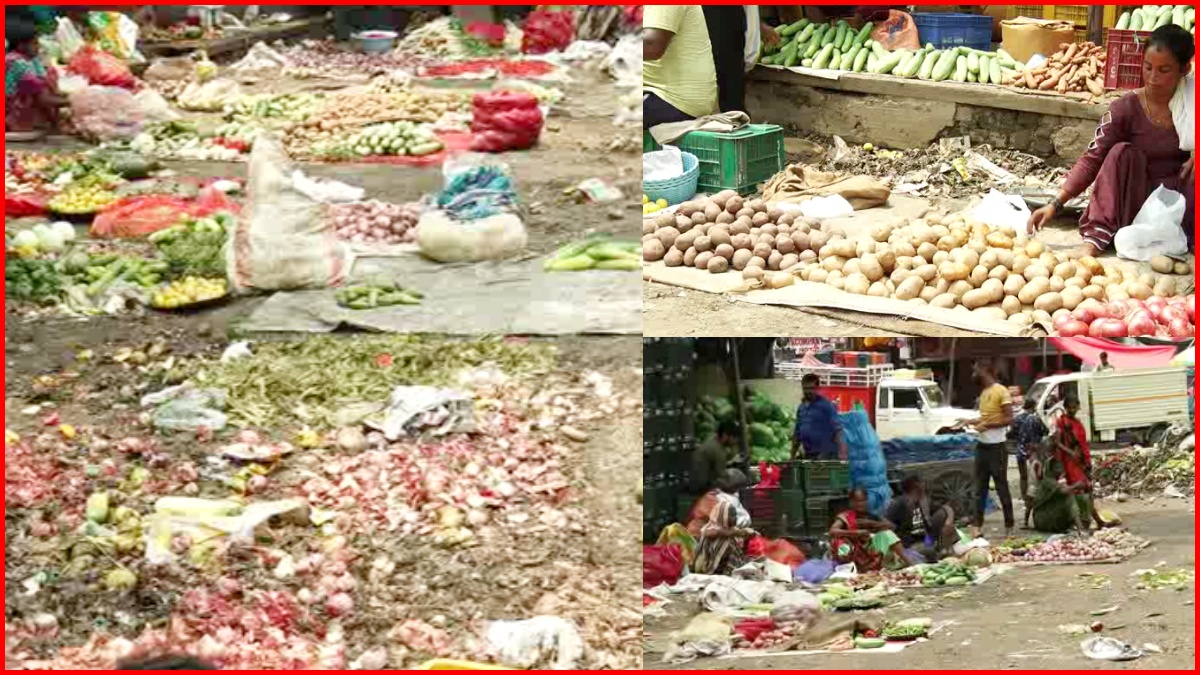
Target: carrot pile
{"x":1076,"y":70}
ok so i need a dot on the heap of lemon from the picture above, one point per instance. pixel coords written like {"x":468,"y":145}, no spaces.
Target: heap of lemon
{"x":652,"y":206}
{"x":188,"y":291}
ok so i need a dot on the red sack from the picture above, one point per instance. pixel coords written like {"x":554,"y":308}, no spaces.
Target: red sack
{"x":28,"y":204}
{"x":898,"y":32}
{"x":101,"y":68}
{"x":142,"y":216}
{"x":504,"y":120}
{"x":752,"y":628}
{"x":756,"y":547}
{"x":546,"y":31}
{"x":784,"y":552}
{"x":661,"y":565}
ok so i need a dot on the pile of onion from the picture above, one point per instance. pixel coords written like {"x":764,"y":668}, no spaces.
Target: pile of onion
{"x":376,"y":222}
{"x":1155,"y":316}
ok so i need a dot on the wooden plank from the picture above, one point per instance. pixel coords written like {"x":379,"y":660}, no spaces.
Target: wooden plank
{"x":987,"y":96}
{"x":234,"y":41}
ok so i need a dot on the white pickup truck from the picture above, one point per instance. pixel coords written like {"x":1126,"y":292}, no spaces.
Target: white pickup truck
{"x":907,"y":408}
{"x":1119,"y":405}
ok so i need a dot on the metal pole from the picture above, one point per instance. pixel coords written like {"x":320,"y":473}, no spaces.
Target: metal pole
{"x":1095,"y":30}
{"x":743,"y":438}
{"x":950,"y":380}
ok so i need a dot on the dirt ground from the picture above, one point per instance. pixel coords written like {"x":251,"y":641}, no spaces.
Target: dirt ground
{"x":1012,"y":621}
{"x":587,"y":575}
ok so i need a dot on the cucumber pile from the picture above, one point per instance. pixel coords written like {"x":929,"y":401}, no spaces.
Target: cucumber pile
{"x":377,"y":296}
{"x":1150,"y":17}
{"x":947,"y":573}
{"x":837,"y":46}
{"x":596,"y":253}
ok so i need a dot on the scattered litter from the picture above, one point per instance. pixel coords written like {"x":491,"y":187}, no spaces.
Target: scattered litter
{"x":235,"y":351}
{"x":543,"y":641}
{"x":415,"y":410}
{"x":1109,"y":649}
{"x":185,"y":408}
{"x":1106,"y":610}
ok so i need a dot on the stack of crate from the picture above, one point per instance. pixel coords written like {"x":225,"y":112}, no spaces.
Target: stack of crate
{"x":1076,"y":14}
{"x":668,"y":429}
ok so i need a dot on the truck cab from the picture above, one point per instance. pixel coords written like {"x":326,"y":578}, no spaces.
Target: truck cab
{"x":1120,"y":406}
{"x":913,"y":407}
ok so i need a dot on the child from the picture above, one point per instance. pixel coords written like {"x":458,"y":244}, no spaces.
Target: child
{"x":1029,"y":432}
{"x":1072,"y":451}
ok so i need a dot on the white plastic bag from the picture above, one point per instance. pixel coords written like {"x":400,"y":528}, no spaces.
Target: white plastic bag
{"x":1157,"y":229}
{"x":1008,"y":212}
{"x":154,"y":107}
{"x":68,"y":38}
{"x":822,"y":208}
{"x":543,"y":641}
{"x":662,"y":164}
{"x":106,"y":113}
{"x":446,"y":240}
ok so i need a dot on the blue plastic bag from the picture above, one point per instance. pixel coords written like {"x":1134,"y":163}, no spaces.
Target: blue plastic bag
{"x":813,"y":571}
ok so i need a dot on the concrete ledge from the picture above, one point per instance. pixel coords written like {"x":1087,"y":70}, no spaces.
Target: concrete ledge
{"x":905,"y":114}
{"x":984,"y":95}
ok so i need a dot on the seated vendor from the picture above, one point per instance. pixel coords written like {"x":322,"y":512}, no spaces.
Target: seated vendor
{"x":679,"y":78}
{"x":721,"y":543}
{"x":31,"y":95}
{"x":864,"y":539}
{"x":728,"y":485}
{"x":1136,"y":149}
{"x":928,"y":532}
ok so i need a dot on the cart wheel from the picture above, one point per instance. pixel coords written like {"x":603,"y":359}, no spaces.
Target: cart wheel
{"x":956,"y":489}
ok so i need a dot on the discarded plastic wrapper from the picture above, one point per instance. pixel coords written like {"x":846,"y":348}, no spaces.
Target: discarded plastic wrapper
{"x":662,"y":164}
{"x":540,"y":641}
{"x":832,"y":206}
{"x":1003,"y":211}
{"x":1109,"y":649}
{"x":204,"y":521}
{"x":185,"y":408}
{"x":258,"y":453}
{"x":421,"y":409}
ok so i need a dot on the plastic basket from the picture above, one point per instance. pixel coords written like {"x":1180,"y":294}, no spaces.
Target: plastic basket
{"x":739,"y":160}
{"x":679,"y":189}
{"x":826,"y":477}
{"x":954,"y":30}
{"x":1123,"y":67}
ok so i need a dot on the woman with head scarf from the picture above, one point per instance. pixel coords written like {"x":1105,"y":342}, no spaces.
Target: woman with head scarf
{"x":862,"y":538}
{"x":31,"y":95}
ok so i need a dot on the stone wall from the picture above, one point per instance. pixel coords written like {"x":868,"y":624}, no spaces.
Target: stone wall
{"x":898,"y":122}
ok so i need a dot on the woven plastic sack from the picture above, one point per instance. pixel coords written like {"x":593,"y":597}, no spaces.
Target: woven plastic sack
{"x":20,"y":206}
{"x":283,"y":241}
{"x":101,"y":68}
{"x":546,"y":31}
{"x":661,"y":565}
{"x":106,"y":113}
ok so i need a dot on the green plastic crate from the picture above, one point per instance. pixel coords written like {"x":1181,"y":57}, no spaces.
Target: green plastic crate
{"x":826,"y":477}
{"x":817,"y":515}
{"x":739,"y":160}
{"x":648,"y":143}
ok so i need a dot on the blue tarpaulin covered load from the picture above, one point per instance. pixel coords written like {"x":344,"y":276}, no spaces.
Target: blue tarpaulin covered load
{"x":915,"y":449}
{"x":868,"y":468}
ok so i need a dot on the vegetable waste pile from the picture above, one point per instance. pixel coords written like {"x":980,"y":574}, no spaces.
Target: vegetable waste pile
{"x":942,"y":260}
{"x":1148,"y":471}
{"x":945,"y":169}
{"x":310,"y":545}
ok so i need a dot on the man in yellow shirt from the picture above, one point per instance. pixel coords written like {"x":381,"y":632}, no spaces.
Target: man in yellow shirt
{"x":991,"y":455}
{"x":679,"y":80}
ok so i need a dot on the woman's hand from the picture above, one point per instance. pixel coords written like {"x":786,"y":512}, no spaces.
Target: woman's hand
{"x":1038,"y":219}
{"x":769,"y":37}
{"x":1186,"y":173}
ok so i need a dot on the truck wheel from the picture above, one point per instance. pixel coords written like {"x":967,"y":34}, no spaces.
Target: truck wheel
{"x":956,"y":489}
{"x":1156,"y":434}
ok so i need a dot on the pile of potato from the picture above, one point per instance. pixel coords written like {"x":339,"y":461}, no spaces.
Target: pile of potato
{"x":940,"y":260}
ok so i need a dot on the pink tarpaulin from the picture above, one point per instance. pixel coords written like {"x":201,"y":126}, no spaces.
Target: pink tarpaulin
{"x":1088,"y":349}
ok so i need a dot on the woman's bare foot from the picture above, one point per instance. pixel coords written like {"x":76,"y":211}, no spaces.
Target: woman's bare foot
{"x":1084,"y":251}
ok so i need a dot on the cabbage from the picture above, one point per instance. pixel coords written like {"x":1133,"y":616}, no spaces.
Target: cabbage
{"x":978,"y":557}
{"x":25,"y":239}
{"x":48,"y":239}
{"x":65,"y":229}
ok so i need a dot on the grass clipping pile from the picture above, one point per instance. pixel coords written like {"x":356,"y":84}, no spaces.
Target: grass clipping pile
{"x":941,"y":260}
{"x":404,"y":552}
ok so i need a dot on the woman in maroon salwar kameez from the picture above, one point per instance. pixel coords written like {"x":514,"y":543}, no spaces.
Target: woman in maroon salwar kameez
{"x":1135,"y":151}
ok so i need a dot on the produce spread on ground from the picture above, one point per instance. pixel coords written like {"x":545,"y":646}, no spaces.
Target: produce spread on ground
{"x":176,"y":485}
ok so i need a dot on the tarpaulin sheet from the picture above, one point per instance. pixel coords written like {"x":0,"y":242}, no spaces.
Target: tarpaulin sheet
{"x":1087,"y":349}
